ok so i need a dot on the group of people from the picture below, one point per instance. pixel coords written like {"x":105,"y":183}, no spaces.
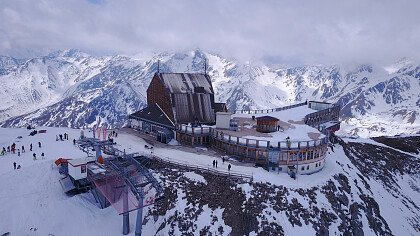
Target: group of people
{"x":112,"y":134}
{"x":62,"y":137}
{"x":223,"y":159}
{"x":12,"y":149}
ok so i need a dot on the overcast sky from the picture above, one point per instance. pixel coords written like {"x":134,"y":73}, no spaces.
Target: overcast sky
{"x":302,"y":32}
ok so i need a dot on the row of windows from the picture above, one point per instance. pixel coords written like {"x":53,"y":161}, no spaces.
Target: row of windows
{"x":303,"y":154}
{"x":318,"y":164}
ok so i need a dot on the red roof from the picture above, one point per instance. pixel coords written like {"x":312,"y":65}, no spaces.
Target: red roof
{"x":61,"y":160}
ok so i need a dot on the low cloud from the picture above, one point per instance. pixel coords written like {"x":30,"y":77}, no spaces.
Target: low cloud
{"x":278,"y":32}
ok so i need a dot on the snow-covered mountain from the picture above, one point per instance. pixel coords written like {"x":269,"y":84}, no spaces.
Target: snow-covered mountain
{"x":72,"y":88}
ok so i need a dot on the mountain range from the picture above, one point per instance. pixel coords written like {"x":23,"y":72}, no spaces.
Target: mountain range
{"x":72,"y":88}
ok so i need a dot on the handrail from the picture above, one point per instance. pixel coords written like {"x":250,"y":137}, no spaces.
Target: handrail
{"x":261,"y":111}
{"x":235,"y":174}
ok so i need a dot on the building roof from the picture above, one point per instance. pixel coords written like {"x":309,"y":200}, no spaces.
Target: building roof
{"x":187,"y":82}
{"x":220,"y":107}
{"x":153,"y":114}
{"x":267,"y":118}
{"x":77,"y":162}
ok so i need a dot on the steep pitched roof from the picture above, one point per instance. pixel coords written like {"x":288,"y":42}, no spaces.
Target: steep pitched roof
{"x":187,"y":82}
{"x":153,"y":114}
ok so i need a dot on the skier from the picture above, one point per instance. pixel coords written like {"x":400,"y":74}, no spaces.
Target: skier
{"x":34,"y":156}
{"x":67,"y":136}
{"x":14,"y":148}
{"x":8,"y":148}
{"x":23,"y":149}
{"x":74,"y":141}
{"x":18,"y":152}
{"x":14,"y":165}
{"x":223,"y":159}
{"x":30,"y":147}
{"x":116,"y":134}
{"x":42,"y":156}
{"x":214,"y":163}
{"x":229,"y":166}
{"x":61,"y":137}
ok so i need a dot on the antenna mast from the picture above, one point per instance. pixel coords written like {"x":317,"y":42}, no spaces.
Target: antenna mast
{"x":205,"y":66}
{"x":158,"y":66}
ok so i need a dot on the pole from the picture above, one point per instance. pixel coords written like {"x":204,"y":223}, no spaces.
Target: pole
{"x":126,"y":216}
{"x":139,"y":220}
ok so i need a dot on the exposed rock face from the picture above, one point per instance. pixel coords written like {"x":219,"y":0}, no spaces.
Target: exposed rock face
{"x":79,"y":87}
{"x":406,"y":144}
{"x":346,"y":204}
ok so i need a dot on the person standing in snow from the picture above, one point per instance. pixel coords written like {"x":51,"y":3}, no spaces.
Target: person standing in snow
{"x":223,"y":159}
{"x":23,"y":149}
{"x":74,"y":141}
{"x":8,"y":148}
{"x":229,"y":166}
{"x":34,"y":156}
{"x":30,"y":147}
{"x":39,"y":144}
{"x":14,"y":165}
{"x":214,"y":163}
{"x":18,"y":152}
{"x":42,"y":156}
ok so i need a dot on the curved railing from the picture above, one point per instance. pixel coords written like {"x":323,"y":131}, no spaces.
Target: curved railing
{"x":259,"y":143}
{"x":261,"y":111}
{"x":312,"y":119}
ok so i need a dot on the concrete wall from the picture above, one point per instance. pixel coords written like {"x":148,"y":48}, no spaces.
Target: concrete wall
{"x":223,"y":120}
{"x":307,"y":168}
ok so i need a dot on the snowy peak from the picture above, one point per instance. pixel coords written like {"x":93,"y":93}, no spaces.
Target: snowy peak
{"x":373,"y":101}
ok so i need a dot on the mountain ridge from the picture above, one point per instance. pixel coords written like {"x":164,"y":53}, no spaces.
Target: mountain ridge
{"x":79,"y":86}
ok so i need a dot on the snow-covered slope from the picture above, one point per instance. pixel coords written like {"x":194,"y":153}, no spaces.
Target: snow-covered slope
{"x":365,"y":188}
{"x":79,"y":87}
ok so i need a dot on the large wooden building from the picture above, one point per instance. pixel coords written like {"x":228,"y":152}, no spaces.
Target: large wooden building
{"x":176,"y":98}
{"x":184,"y":97}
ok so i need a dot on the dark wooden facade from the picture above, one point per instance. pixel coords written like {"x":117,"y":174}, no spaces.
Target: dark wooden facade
{"x":184,"y":97}
{"x":157,"y":93}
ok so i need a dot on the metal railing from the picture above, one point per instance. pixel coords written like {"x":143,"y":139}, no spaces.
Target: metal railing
{"x":261,"y":111}
{"x":219,"y":172}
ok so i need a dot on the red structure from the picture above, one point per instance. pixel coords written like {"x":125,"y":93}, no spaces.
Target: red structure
{"x":267,"y":124}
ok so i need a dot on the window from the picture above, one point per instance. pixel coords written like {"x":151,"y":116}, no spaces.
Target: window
{"x":303,"y":168}
{"x":316,"y":164}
